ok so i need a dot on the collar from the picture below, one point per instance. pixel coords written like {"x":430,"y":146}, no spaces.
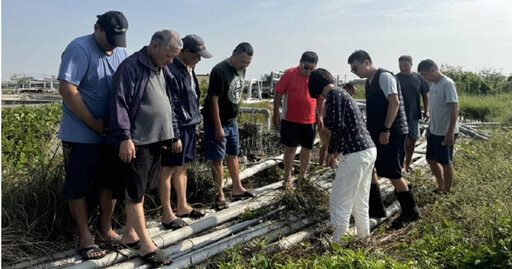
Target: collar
{"x":143,"y":58}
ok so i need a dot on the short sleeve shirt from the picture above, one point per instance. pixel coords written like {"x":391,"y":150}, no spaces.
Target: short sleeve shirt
{"x":344,"y":119}
{"x":388,"y":84}
{"x":227,"y":83}
{"x":442,"y":94}
{"x":87,"y":66}
{"x":298,"y":106}
{"x":413,"y":86}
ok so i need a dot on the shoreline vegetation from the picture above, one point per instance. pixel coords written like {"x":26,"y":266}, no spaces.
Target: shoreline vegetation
{"x":471,"y":228}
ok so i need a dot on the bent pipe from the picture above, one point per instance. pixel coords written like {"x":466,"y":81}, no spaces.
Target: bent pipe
{"x":256,"y":110}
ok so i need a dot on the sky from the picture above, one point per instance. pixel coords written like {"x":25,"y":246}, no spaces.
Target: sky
{"x":473,"y":34}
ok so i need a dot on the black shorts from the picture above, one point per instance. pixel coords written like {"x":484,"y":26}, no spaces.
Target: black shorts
{"x":188,"y":152}
{"x":390,"y":157}
{"x":91,"y":165}
{"x":143,"y":171}
{"x":114,"y":173}
{"x":437,"y":152}
{"x":293,"y":134}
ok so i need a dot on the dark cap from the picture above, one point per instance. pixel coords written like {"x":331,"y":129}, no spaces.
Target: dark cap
{"x":114,"y":23}
{"x":195,"y":44}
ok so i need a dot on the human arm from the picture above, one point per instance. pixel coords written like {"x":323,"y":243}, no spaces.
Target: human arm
{"x":393,"y":106}
{"x":426,"y":113}
{"x":425,"y":96}
{"x":389,"y":85}
{"x":449,"y":138}
{"x":280,"y":90}
{"x":173,"y":92}
{"x":320,"y":104}
{"x":76,"y":104}
{"x":123,"y":88}
{"x":214,"y":109}
{"x":276,"y":118}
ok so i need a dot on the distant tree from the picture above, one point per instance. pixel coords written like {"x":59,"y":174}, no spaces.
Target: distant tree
{"x":21,"y":79}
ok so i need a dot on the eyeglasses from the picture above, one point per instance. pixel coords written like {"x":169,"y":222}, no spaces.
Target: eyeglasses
{"x":307,"y":68}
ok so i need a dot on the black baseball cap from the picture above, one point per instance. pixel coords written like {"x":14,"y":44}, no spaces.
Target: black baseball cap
{"x":195,"y":44}
{"x":114,"y":23}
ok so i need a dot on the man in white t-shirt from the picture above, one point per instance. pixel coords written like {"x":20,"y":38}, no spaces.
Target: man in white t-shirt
{"x":443,"y":126}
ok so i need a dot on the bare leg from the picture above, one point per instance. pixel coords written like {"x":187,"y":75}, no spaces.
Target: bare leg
{"x":322,"y":155}
{"x":107,"y":206}
{"x":180,"y":185}
{"x":289,"y":157}
{"x":234,"y":172}
{"x":305,"y":158}
{"x":135,"y":216}
{"x":408,"y":154}
{"x":400,"y":185}
{"x":164,"y":192}
{"x":78,"y":209}
{"x":218,"y":174}
{"x":448,"y":176}
{"x":436,"y":169}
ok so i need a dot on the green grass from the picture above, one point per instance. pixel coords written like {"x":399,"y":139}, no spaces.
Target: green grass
{"x":487,"y":107}
{"x":469,"y":228}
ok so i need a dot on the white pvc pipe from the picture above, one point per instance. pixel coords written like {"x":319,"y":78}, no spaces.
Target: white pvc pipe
{"x":192,"y":244}
{"x":203,"y":254}
{"x":256,"y":110}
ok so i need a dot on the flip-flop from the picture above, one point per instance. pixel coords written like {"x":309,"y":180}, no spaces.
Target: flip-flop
{"x":194,"y":214}
{"x":244,"y":195}
{"x":175,"y":224}
{"x":220,"y":205}
{"x":86,"y":252}
{"x":157,"y":258}
{"x":107,"y":243}
{"x":135,"y":244}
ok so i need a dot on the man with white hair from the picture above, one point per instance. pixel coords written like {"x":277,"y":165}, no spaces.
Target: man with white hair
{"x":140,"y":122}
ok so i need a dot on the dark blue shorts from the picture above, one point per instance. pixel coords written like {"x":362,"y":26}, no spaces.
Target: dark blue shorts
{"x":188,"y":152}
{"x":216,"y":151}
{"x":442,"y":154}
{"x":390,"y":157}
{"x":293,"y":134}
{"x":91,"y":165}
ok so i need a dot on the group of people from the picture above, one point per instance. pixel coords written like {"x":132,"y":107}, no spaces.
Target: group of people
{"x":383,"y":146}
{"x":307,"y":98}
{"x":129,"y":124}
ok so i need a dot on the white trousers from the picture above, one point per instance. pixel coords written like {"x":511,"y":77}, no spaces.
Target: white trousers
{"x":351,"y":192}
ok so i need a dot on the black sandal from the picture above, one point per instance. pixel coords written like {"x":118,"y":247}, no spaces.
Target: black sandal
{"x":194,"y":214}
{"x":220,"y":205}
{"x":246,"y":194}
{"x":157,"y":258}
{"x":87,"y":252}
{"x":176,"y":224}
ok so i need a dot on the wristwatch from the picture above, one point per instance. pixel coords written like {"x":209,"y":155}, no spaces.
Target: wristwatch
{"x":386,"y":129}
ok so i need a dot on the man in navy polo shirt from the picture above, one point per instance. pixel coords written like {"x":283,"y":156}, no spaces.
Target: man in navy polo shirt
{"x":184,"y":89}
